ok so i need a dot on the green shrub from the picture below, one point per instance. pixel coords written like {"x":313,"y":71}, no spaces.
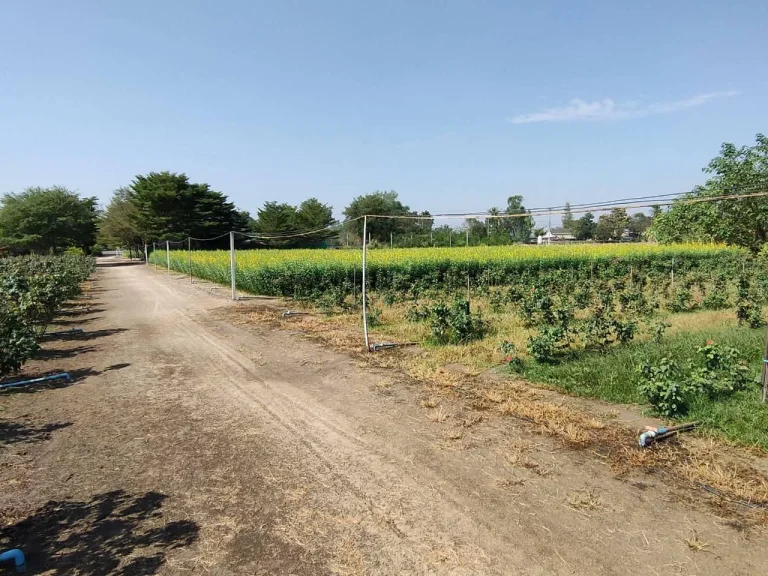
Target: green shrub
{"x":456,"y":324}
{"x":716,"y":372}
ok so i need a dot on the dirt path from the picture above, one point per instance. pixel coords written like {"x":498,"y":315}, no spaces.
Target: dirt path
{"x":189,"y":445}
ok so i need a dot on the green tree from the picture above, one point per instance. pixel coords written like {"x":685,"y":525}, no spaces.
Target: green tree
{"x":584,"y":227}
{"x":116,"y":223}
{"x":740,"y":221}
{"x":638,"y":224}
{"x":47,"y":219}
{"x":612,"y":226}
{"x":169,"y":206}
{"x":312,"y":215}
{"x":568,"y":217}
{"x":378,"y":203}
{"x":519,"y":228}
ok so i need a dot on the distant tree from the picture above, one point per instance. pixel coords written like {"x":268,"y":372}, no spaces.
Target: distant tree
{"x":638,"y":224}
{"x":743,"y":221}
{"x":170,"y":207}
{"x":47,"y":219}
{"x":568,"y":217}
{"x":519,"y":228}
{"x":116,"y":224}
{"x":584,"y":227}
{"x":477,"y":231}
{"x":381,"y":203}
{"x":312,"y":215}
{"x":612,"y":226}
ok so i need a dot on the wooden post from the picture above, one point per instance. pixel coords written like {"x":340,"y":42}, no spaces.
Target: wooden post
{"x":168,"y":254}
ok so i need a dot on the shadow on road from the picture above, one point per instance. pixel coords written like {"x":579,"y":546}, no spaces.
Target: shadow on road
{"x":63,"y":353}
{"x":76,"y":375}
{"x":88,"y":335}
{"x":112,"y":533}
{"x":19,"y":433}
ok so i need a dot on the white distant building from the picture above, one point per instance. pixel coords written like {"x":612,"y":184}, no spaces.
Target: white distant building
{"x":555,"y":235}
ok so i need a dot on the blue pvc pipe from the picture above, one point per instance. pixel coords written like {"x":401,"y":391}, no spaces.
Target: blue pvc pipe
{"x":18,"y":559}
{"x":64,"y":375}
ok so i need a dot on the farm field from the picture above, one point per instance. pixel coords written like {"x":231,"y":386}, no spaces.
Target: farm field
{"x":586,"y":318}
{"x":192,"y":440}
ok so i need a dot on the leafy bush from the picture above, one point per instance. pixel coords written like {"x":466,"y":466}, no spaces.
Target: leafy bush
{"x":682,"y":300}
{"x":17,"y":340}
{"x":417,"y":313}
{"x":748,"y":309}
{"x":717,"y":372}
{"x":456,"y":324}
{"x":664,"y":386}
{"x":32,"y":291}
{"x":549,"y":343}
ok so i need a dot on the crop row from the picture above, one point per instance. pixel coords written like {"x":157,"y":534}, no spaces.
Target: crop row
{"x":32,"y":291}
{"x":312,"y":273}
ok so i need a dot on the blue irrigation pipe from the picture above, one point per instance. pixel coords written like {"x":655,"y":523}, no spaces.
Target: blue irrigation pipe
{"x":18,"y":559}
{"x":64,"y":375}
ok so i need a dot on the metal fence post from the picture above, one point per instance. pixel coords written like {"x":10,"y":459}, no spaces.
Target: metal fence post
{"x":232,"y":264}
{"x":189,"y":257}
{"x":146,"y":258}
{"x":365,"y":312}
{"x":168,"y":254}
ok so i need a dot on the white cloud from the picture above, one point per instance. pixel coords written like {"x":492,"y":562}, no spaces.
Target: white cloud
{"x":607,"y":109}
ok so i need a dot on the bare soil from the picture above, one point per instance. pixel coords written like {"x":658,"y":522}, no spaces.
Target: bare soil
{"x":191,"y":444}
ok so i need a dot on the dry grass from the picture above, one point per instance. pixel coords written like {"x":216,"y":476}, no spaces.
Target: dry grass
{"x":585,"y":499}
{"x":430,"y":402}
{"x":438,"y":415}
{"x":695,"y":544}
{"x":694,"y":463}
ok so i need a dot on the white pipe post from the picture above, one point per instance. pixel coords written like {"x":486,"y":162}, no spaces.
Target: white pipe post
{"x":189,"y":258}
{"x":391,"y":240}
{"x":168,"y":255}
{"x":232,"y":263}
{"x":146,"y":258}
{"x":450,"y":238}
{"x":365,"y":313}
{"x":467,"y":237}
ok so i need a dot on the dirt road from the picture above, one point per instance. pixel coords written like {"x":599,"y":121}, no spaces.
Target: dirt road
{"x":189,"y":445}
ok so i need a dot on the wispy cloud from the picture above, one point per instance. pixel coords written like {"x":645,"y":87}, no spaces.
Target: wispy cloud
{"x":607,"y":109}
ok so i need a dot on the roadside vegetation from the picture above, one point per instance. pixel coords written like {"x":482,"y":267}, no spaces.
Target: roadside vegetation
{"x":33,"y":290}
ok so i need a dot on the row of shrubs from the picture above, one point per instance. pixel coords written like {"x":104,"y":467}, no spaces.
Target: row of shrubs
{"x":33,"y":290}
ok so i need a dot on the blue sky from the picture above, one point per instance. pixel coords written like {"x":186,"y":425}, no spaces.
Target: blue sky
{"x":456,"y":105}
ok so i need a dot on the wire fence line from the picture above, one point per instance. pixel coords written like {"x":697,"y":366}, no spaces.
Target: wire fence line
{"x":632,"y":203}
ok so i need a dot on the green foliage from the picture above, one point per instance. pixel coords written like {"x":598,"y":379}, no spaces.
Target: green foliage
{"x":735,"y":171}
{"x":46,"y":220}
{"x":17,"y":339}
{"x":657,"y":330}
{"x":748,"y":309}
{"x":610,"y":227}
{"x":549,"y":343}
{"x":716,"y":297}
{"x":584,"y":228}
{"x":417,"y":313}
{"x":716,"y":372}
{"x":168,"y":206}
{"x":117,"y":224}
{"x":383,"y":203}
{"x":456,"y":324}
{"x":663,"y":385}
{"x":682,"y":300}
{"x":32,"y":291}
